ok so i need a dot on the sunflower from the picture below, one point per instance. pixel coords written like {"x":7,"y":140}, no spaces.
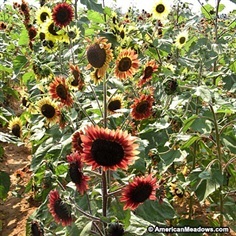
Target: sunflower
{"x":50,"y":45}
{"x":170,"y":86}
{"x":115,"y":103}
{"x":99,"y":55}
{"x":150,"y":67}
{"x":142,"y":107}
{"x":160,"y":10}
{"x":42,"y":14}
{"x":77,"y":142}
{"x":51,"y":31}
{"x":115,"y":229}
{"x":15,"y":126}
{"x":59,"y":90}
{"x":95,"y":75}
{"x":181,"y":39}
{"x":127,"y":64}
{"x":62,"y":14}
{"x":178,"y":193}
{"x":59,"y":209}
{"x":36,"y":228}
{"x":75,"y":172}
{"x":78,"y":80}
{"x":110,"y":149}
{"x":72,"y":34}
{"x":138,"y":191}
{"x":48,"y":109}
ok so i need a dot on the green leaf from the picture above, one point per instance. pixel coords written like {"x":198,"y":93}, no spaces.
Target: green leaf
{"x":187,"y":123}
{"x":163,"y":211}
{"x":206,"y":9}
{"x":202,"y":125}
{"x":5,"y":184}
{"x":24,"y":38}
{"x":204,"y":93}
{"x":192,"y":140}
{"x":221,"y":7}
{"x":18,"y":63}
{"x":228,"y":138}
{"x":27,"y":77}
{"x":87,"y":229}
{"x":4,"y":68}
{"x":92,"y":5}
{"x":95,"y":17}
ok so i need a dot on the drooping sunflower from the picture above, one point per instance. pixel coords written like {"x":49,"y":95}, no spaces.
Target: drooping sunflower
{"x":99,"y":55}
{"x":36,"y":228}
{"x":76,"y":174}
{"x":50,"y":45}
{"x":15,"y":126}
{"x":178,"y":194}
{"x":62,"y":14}
{"x":48,"y":109}
{"x":77,"y":142}
{"x":127,"y":64}
{"x":78,"y":80}
{"x":59,"y":90}
{"x":110,"y":149}
{"x":161,"y":9}
{"x":115,"y":103}
{"x":138,"y":191}
{"x":181,"y":39}
{"x":142,"y":107}
{"x":59,"y":209}
{"x":149,"y":69}
{"x":42,"y":14}
{"x":115,"y":229}
{"x":97,"y":78}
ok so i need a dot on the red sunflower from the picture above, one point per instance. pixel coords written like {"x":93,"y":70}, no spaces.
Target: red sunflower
{"x":59,"y":209}
{"x":110,"y":149}
{"x":62,"y":14}
{"x":59,"y":90}
{"x":142,"y":107}
{"x":150,"y":67}
{"x":75,"y":172}
{"x":138,"y":191}
{"x":78,"y":80}
{"x":127,"y":64}
{"x":77,"y":142}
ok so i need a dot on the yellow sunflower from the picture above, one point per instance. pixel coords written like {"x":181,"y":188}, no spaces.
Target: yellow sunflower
{"x":43,"y":14}
{"x":48,"y":109}
{"x":51,"y":31}
{"x":72,"y":34}
{"x":15,"y":126}
{"x":50,"y":45}
{"x":181,"y":39}
{"x":178,"y":194}
{"x":99,"y":55}
{"x":115,"y":103}
{"x":160,"y":9}
{"x":96,"y":76}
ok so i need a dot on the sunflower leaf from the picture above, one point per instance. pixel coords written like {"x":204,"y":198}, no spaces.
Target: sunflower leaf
{"x":92,"y":5}
{"x":5,"y":184}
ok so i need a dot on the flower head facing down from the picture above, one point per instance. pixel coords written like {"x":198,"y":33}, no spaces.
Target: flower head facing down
{"x":138,"y":191}
{"x":115,"y":103}
{"x":59,"y":209}
{"x":15,"y":126}
{"x":75,"y":172}
{"x":36,"y":229}
{"x":149,"y":69}
{"x":59,"y":90}
{"x":142,"y":107}
{"x":181,"y":39}
{"x":77,"y":142}
{"x":110,"y":149}
{"x":62,"y":14}
{"x":127,"y":64}
{"x":115,"y":229}
{"x":161,"y":9}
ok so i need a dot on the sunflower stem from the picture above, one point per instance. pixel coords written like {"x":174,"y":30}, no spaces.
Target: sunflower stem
{"x":104,"y":194}
{"x":105,"y":102}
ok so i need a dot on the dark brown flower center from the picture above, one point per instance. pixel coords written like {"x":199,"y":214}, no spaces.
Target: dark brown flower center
{"x":72,"y":34}
{"x":96,"y":56}
{"x":75,"y":174}
{"x":52,"y":29}
{"x":115,"y":229}
{"x":107,"y":153}
{"x":114,"y":105}
{"x":36,"y":230}
{"x":142,"y":107}
{"x":48,"y":110}
{"x":122,"y":34}
{"x":182,"y":40}
{"x":148,"y":72}
{"x":50,"y":44}
{"x":16,"y":130}
{"x":43,"y":16}
{"x":61,"y":210}
{"x":125,"y":64}
{"x":160,"y":8}
{"x":141,"y":192}
{"x":62,"y":15}
{"x":179,"y":193}
{"x":61,"y":91}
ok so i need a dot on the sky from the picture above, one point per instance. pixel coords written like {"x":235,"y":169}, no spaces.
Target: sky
{"x":142,"y":4}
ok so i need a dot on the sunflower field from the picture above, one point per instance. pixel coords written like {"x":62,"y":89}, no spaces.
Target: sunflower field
{"x":130,"y":117}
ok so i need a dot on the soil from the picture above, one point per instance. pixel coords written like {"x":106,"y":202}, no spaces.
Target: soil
{"x":18,"y":206}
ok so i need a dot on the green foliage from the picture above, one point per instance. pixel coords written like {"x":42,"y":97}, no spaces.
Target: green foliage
{"x":5,"y":184}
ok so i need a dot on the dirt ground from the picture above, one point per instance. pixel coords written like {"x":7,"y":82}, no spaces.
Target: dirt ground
{"x":18,"y":206}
